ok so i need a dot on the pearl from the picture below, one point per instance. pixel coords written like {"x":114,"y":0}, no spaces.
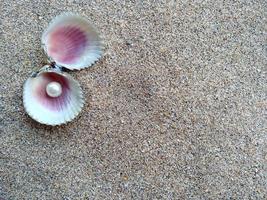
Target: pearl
{"x":53,"y":89}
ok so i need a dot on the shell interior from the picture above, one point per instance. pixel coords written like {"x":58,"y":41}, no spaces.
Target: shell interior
{"x":52,"y":110}
{"x":71,"y":41}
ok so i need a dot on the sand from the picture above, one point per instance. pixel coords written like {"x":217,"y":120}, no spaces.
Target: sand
{"x":175,"y":109}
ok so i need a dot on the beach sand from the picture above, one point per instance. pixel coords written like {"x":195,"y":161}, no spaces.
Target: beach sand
{"x":175,"y":108}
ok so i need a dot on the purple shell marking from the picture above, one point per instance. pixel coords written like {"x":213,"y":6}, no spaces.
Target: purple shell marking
{"x":53,"y":103}
{"x":67,"y":44}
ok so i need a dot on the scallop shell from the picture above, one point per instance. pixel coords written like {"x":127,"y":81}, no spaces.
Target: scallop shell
{"x":71,"y":41}
{"x":47,"y":109}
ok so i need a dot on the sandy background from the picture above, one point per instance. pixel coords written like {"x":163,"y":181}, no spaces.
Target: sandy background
{"x":175,"y":109}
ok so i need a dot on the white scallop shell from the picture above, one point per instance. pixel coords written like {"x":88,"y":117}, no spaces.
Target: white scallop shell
{"x":52,"y":110}
{"x":71,"y":41}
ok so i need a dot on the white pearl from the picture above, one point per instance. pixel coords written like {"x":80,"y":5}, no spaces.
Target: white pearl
{"x":53,"y":89}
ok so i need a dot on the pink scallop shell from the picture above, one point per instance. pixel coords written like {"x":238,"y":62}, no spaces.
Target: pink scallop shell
{"x":71,"y":41}
{"x":52,"y":110}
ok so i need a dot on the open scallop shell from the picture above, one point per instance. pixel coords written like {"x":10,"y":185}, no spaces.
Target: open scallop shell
{"x":52,"y":110}
{"x":71,"y":41}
